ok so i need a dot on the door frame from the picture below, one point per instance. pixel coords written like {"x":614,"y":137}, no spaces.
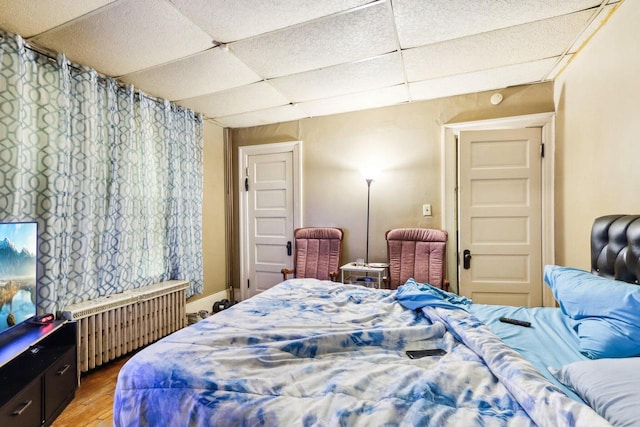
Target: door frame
{"x":295,"y":147}
{"x":449,"y":189}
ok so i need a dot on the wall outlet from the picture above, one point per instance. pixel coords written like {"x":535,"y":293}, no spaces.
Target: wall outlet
{"x":426,"y":210}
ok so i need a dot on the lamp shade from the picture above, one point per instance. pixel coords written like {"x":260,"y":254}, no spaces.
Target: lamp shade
{"x":369,"y":172}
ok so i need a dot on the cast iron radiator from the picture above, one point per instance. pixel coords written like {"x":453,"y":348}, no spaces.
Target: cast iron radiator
{"x":112,"y":326}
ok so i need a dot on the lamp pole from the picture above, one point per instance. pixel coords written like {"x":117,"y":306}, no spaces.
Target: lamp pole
{"x":369,"y":180}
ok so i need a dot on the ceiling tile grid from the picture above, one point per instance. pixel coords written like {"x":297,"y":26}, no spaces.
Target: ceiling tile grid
{"x":211,"y":71}
{"x":31,"y":17}
{"x":479,"y":81}
{"x":129,"y":36}
{"x":253,"y":62}
{"x":508,"y":46}
{"x":597,"y":22}
{"x":424,"y":22}
{"x":356,"y":101}
{"x":232,"y":20}
{"x":378,"y":72}
{"x":257,"y":96}
{"x":285,"y":113}
{"x":359,"y":34}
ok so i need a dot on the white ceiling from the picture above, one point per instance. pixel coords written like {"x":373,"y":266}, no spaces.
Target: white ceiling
{"x":253,"y":62}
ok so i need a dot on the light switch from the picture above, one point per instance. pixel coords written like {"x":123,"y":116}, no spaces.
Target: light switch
{"x":426,"y":210}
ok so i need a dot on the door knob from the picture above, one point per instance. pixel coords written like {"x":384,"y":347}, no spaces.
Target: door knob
{"x":466,"y":259}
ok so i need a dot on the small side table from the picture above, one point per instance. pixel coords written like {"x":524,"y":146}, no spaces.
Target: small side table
{"x":355,"y":274}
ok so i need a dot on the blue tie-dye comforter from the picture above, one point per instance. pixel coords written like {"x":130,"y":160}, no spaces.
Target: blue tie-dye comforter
{"x":311,"y":353}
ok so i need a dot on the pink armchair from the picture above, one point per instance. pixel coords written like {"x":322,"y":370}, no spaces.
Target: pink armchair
{"x":418,"y":253}
{"x":317,"y":254}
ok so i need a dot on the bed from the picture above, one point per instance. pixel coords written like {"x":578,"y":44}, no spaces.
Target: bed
{"x":317,"y":353}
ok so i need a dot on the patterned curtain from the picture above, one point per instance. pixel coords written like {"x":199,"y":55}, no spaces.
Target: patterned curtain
{"x":113,"y":177}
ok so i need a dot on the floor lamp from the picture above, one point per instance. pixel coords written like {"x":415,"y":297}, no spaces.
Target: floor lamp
{"x":369,"y":175}
{"x":369,"y":181}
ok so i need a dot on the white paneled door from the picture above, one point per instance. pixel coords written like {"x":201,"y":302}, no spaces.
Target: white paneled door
{"x":269,"y":183}
{"x":500,"y":229}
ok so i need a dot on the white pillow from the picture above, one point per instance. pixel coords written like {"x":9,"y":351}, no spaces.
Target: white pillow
{"x":610,"y":386}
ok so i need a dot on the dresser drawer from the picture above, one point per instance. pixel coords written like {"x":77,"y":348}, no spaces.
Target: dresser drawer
{"x":25,"y":409}
{"x":60,"y":382}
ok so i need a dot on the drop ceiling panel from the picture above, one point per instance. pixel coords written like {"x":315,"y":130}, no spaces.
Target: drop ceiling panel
{"x":211,"y":71}
{"x":345,"y":37}
{"x":357,"y":101}
{"x":422,"y":22}
{"x":248,"y":18}
{"x":257,"y":96}
{"x":513,"y":45}
{"x":129,"y":36}
{"x":285,"y":113}
{"x":381,"y":71}
{"x":31,"y":17}
{"x":482,"y":80}
{"x":290,"y":59}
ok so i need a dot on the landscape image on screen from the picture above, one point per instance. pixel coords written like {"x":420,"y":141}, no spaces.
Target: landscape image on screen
{"x":18,"y":243}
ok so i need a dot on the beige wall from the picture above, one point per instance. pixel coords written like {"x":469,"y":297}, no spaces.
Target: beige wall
{"x":213,"y":212}
{"x":597,"y":134}
{"x":404,"y":141}
{"x":597,"y":152}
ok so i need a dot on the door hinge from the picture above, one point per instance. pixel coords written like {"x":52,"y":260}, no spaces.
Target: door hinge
{"x":246,"y":184}
{"x":542,"y":150}
{"x":248,"y":284}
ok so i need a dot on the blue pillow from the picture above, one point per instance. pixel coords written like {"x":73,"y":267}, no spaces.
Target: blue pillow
{"x":609,"y":386}
{"x":607,"y":311}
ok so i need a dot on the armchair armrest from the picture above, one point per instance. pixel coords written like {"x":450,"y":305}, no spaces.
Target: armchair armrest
{"x":286,"y":271}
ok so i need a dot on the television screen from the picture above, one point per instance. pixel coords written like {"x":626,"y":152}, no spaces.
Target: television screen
{"x":18,"y":242}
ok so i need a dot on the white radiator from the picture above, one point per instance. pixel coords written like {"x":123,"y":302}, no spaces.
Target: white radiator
{"x":111,"y":326}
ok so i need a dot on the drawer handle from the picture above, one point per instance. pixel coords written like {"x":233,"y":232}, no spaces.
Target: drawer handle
{"x":22,"y":408}
{"x":63,"y":370}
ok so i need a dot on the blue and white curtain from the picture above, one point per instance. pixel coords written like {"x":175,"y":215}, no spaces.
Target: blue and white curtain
{"x":113,"y":177}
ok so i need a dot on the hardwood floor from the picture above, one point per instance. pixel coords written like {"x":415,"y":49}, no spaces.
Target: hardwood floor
{"x":93,"y":403}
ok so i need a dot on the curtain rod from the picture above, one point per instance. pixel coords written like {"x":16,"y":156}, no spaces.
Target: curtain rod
{"x":51,"y":56}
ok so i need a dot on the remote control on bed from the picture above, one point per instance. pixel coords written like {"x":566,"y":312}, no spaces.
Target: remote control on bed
{"x":417,"y":354}
{"x":515,"y":322}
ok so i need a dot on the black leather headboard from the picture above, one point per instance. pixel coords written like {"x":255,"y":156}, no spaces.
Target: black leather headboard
{"x":615,"y":247}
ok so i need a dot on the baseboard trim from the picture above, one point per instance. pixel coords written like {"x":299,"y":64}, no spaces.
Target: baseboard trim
{"x":206,"y":303}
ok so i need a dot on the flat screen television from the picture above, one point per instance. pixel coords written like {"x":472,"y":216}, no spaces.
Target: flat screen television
{"x":18,"y":272}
